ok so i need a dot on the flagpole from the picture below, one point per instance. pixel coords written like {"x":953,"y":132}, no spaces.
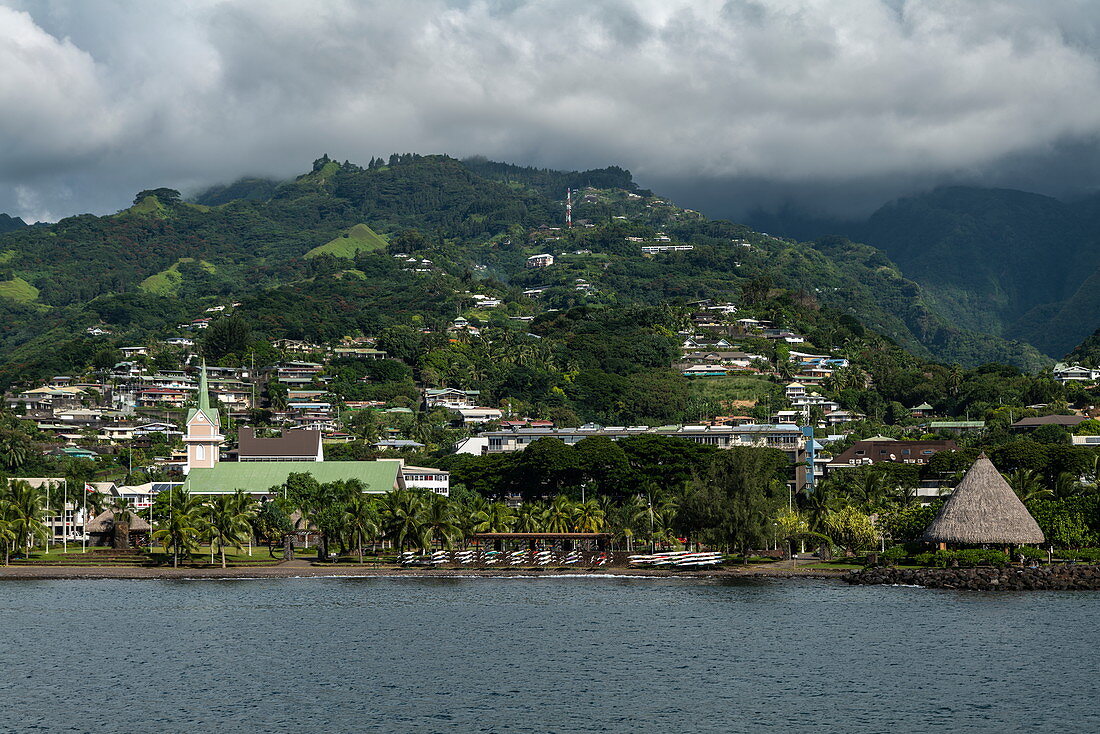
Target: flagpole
{"x":84,"y":522}
{"x":64,"y":512}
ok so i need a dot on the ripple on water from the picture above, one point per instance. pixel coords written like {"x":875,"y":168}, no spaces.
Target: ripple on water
{"x":543,"y":654}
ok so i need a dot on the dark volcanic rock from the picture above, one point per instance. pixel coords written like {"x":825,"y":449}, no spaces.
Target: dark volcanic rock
{"x":1043,"y":578}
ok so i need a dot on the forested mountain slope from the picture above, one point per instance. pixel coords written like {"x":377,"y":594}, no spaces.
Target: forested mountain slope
{"x":997,"y":261}
{"x":146,"y":269}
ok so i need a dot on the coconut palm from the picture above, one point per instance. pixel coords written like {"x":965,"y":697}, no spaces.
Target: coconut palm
{"x":559,"y":516}
{"x":361,"y":521}
{"x":440,"y":522}
{"x":1027,"y":485}
{"x":179,"y":532}
{"x":14,"y":450}
{"x":496,"y":517}
{"x":530,"y":518}
{"x":589,"y":517}
{"x":1066,"y":484}
{"x":28,"y":507}
{"x":404,"y":513}
{"x":228,"y":521}
{"x":871,"y":489}
{"x":7,"y":529}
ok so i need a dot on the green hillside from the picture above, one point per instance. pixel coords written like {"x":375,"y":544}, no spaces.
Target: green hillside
{"x":1011,"y":264}
{"x":163,"y":260}
{"x":359,"y":238}
{"x":19,"y":290}
{"x":167,"y":282}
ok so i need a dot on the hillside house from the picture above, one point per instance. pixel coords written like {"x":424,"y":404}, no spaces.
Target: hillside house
{"x":450,"y":397}
{"x":543,"y":260}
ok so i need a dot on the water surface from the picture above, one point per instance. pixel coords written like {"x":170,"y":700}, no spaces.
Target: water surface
{"x":516,"y":655}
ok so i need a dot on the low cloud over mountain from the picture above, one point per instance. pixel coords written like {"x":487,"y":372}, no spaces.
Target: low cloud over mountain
{"x":731,"y":105}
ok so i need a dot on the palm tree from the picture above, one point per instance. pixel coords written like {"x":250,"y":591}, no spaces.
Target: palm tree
{"x":1066,"y":484}
{"x":180,"y":531}
{"x":28,"y":507}
{"x":1027,"y":485}
{"x":361,"y":521}
{"x":7,"y":528}
{"x":559,"y":517}
{"x":871,"y":489}
{"x":228,"y":521}
{"x":14,"y":450}
{"x":248,"y":508}
{"x":404,"y":511}
{"x":530,"y":518}
{"x":97,"y":501}
{"x":589,"y":517}
{"x":440,"y":522}
{"x":495,"y":518}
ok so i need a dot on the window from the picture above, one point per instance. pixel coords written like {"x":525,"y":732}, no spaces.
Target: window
{"x":200,"y":452}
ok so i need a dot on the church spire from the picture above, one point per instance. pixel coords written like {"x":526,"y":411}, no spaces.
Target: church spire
{"x":204,"y":391}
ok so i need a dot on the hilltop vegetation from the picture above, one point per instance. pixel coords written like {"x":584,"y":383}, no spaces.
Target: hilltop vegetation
{"x":350,"y":243}
{"x":306,"y":258}
{"x":167,"y":282}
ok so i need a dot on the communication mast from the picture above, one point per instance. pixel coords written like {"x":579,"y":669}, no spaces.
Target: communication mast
{"x":569,"y":208}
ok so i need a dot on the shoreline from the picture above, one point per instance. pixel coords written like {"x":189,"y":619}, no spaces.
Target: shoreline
{"x":305,"y":569}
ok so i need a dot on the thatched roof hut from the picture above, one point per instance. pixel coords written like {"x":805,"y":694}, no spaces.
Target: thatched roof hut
{"x":104,"y":522}
{"x":984,"y":510}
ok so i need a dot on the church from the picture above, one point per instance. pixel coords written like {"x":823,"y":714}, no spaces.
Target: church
{"x":263,"y":464}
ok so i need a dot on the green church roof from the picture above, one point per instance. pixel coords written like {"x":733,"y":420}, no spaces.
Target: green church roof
{"x":259,"y":476}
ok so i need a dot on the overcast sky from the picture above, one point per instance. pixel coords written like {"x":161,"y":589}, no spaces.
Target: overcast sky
{"x":725,"y":105}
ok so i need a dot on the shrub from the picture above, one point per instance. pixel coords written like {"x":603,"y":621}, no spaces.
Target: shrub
{"x":894,"y":555}
{"x":1031,"y":554}
{"x":1089,"y":555}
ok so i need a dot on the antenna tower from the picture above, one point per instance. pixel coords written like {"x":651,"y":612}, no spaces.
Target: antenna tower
{"x":569,"y":208}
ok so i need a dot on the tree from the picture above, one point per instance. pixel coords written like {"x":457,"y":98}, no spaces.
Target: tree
{"x":27,"y":508}
{"x":228,"y":520}
{"x":361,"y":521}
{"x":183,"y":524}
{"x":226,"y":336}
{"x":732,"y":502}
{"x":589,"y":517}
{"x":851,"y":529}
{"x":440,"y":522}
{"x":404,"y":518}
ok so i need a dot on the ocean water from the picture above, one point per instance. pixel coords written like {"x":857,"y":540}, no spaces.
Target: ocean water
{"x":542,"y":655}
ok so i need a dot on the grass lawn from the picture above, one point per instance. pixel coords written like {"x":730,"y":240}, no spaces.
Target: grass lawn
{"x":359,"y":238}
{"x":167,"y":282}
{"x":734,"y":387}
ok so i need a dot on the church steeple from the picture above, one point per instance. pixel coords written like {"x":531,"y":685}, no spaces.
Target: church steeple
{"x":203,"y":436}
{"x":204,"y":390}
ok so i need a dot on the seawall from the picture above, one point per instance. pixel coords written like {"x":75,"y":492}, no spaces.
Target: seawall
{"x":1043,"y":578}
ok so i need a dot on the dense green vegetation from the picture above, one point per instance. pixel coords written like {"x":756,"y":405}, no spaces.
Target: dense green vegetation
{"x":476,"y":221}
{"x":996,"y":261}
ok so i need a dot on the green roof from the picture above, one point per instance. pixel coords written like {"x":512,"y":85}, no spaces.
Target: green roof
{"x":259,"y":476}
{"x":957,"y":424}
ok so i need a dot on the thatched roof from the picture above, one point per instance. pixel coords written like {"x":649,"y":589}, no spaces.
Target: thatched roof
{"x":984,"y":509}
{"x":103,"y":522}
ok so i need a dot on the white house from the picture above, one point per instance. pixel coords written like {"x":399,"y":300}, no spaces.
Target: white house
{"x":433,"y":480}
{"x":543,"y":260}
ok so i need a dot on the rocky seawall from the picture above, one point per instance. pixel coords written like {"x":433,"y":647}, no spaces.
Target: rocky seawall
{"x":1044,"y":578}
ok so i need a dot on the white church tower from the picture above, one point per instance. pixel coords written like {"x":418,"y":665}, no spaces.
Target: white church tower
{"x":203,"y":439}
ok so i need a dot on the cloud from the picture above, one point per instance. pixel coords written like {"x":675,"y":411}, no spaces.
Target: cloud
{"x":102,"y":99}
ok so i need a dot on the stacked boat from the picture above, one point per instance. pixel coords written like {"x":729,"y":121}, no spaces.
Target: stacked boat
{"x":678,"y":559}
